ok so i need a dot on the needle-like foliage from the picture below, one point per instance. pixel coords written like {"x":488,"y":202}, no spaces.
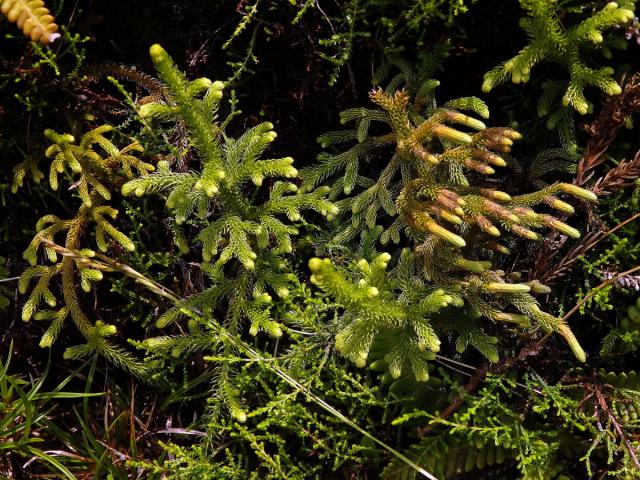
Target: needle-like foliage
{"x":569,"y":47}
{"x":92,"y":165}
{"x":573,"y":47}
{"x":434,"y":185}
{"x":245,"y":230}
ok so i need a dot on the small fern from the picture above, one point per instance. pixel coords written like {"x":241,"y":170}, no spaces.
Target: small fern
{"x":573,"y":48}
{"x":244,"y":238}
{"x":551,"y":41}
{"x":93,"y":164}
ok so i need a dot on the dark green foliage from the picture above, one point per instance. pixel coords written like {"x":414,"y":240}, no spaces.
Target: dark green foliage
{"x":25,"y":426}
{"x":398,"y":26}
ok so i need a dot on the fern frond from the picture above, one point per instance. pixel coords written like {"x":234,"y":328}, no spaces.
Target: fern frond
{"x":92,"y":164}
{"x":551,"y":41}
{"x":244,"y":238}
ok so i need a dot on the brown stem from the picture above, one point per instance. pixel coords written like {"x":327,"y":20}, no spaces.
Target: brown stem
{"x":599,"y":287}
{"x":478,"y":375}
{"x":616,"y":426}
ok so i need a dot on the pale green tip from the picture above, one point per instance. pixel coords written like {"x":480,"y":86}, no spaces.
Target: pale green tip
{"x":493,"y":231}
{"x":499,"y":287}
{"x":315,"y":264}
{"x":562,"y":206}
{"x":158,"y":54}
{"x":497,"y":161}
{"x":470,"y":265}
{"x":564,"y":228}
{"x":445,"y":234}
{"x":501,"y":196}
{"x":385,"y":257}
{"x":578,"y":192}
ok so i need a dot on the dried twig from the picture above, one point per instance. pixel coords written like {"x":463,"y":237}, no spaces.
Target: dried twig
{"x":622,"y":175}
{"x":546,"y":274}
{"x":479,"y":374}
{"x":605,"y":128}
{"x":616,"y":425}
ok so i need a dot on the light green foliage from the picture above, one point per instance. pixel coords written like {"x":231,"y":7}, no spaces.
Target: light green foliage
{"x":264,"y":444}
{"x":551,"y":41}
{"x":91,"y":166}
{"x":284,"y":435}
{"x":573,"y":47}
{"x":621,"y":250}
{"x":395,"y":321}
{"x":238,"y":227}
{"x":194,"y":462}
{"x":599,"y":299}
{"x":228,"y":165}
{"x":374,"y":312}
{"x":428,"y":190}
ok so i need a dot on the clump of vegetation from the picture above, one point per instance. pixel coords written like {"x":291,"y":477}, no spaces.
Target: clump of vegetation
{"x":244,"y":242}
{"x":93,"y":165}
{"x":572,"y":48}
